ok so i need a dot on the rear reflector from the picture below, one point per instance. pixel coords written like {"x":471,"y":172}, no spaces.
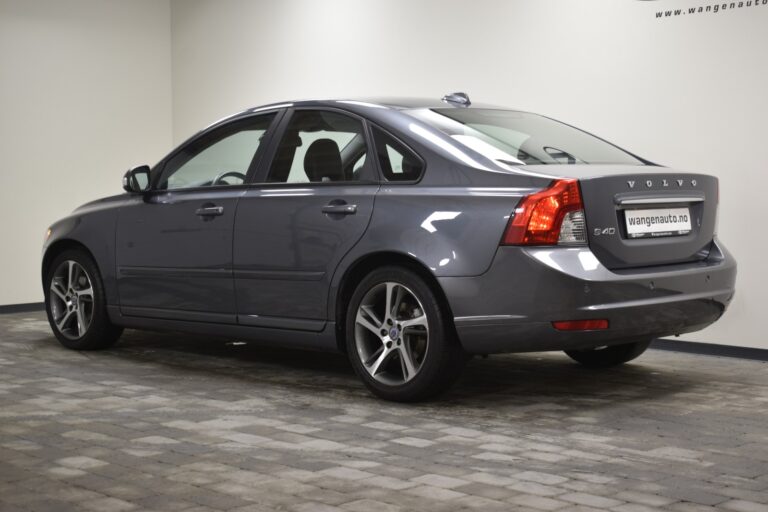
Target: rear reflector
{"x":550,"y":217}
{"x":581,"y":325}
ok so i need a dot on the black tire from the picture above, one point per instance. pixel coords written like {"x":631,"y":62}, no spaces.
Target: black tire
{"x":606,"y":357}
{"x":443,"y":358}
{"x":100,"y":333}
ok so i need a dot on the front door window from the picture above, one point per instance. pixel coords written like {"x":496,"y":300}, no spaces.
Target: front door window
{"x":218,"y":160}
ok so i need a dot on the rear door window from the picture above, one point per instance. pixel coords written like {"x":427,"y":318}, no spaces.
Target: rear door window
{"x":320,"y":147}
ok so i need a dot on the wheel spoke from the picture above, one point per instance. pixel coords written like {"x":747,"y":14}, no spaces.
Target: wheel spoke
{"x":63,"y":322}
{"x":57,"y":292}
{"x":413,"y":322}
{"x":406,"y":362}
{"x":80,"y":322}
{"x":71,"y":271}
{"x":375,"y":356}
{"x":368,"y":310}
{"x":376,"y":366}
{"x":400,"y":292}
{"x":361,"y":320}
{"x":87,"y":293}
{"x":388,"y":301}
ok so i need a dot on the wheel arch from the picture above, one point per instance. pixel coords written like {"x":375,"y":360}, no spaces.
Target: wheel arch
{"x":366,"y":264}
{"x":60,"y":246}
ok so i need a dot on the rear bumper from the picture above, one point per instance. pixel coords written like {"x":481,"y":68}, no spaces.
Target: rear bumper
{"x":511,"y":307}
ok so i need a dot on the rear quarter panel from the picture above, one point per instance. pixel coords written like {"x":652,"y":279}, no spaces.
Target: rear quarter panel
{"x":453,"y":231}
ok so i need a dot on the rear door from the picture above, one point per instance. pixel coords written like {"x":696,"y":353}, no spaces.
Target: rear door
{"x":174,"y":243}
{"x":307,"y":208}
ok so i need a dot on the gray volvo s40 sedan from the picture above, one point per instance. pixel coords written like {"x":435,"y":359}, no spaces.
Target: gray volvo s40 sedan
{"x":409,"y":234}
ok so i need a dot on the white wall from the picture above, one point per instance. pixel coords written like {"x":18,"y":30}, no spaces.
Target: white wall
{"x":85,"y":92}
{"x":688,"y":91}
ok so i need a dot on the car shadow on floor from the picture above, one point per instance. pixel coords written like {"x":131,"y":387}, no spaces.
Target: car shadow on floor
{"x":513,"y":380}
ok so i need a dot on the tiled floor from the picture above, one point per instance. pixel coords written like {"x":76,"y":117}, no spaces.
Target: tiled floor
{"x":172,"y":422}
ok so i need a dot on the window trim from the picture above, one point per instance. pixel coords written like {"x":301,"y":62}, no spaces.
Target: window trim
{"x":258,"y":180}
{"x":382,"y":178}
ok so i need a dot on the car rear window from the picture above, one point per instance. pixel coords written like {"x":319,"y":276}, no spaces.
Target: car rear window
{"x":519,"y":138}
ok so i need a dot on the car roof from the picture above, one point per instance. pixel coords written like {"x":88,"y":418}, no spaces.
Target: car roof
{"x":394,"y":103}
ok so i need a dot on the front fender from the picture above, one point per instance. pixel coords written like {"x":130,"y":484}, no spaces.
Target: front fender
{"x":92,"y":227}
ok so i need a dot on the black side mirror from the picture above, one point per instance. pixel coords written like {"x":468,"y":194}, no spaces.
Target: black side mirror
{"x":136,"y":180}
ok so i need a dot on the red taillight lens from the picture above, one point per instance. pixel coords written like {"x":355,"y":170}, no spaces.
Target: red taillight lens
{"x":538,"y":217}
{"x":581,"y":325}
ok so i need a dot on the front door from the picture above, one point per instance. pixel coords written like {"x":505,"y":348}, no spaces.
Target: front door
{"x":291,"y":231}
{"x":174,"y":244}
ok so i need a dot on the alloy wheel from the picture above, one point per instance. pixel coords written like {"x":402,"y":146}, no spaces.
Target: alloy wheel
{"x":391,"y":333}
{"x":71,"y":299}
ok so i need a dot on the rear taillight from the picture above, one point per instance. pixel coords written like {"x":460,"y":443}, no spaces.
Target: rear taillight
{"x":550,"y":217}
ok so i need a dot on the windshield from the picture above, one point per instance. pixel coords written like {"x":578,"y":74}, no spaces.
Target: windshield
{"x":519,"y":138}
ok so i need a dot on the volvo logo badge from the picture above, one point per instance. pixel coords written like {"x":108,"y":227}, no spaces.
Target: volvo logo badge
{"x":664,"y":183}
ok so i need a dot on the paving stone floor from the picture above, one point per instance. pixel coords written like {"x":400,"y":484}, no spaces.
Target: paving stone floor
{"x":171,"y":422}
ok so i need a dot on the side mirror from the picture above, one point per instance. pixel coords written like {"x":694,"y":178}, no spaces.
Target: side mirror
{"x":136,"y":180}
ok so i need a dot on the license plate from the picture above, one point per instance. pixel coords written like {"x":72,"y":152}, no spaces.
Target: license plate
{"x":658,"y":222}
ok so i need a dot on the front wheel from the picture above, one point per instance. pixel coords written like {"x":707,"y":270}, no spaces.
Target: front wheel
{"x":398,"y":337}
{"x":76,"y":303}
{"x":605,"y":357}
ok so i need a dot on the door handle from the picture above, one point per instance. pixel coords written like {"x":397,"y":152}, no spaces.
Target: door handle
{"x":340,"y":209}
{"x":210,"y":211}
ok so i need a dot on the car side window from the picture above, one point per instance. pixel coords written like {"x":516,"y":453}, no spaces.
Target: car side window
{"x":220,"y":159}
{"x":398,"y":163}
{"x":320,"y":146}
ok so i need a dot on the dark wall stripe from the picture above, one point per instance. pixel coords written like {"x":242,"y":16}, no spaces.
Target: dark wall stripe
{"x":712,"y":349}
{"x":22,"y":308}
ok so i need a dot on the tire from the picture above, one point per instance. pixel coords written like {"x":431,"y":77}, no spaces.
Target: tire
{"x":420,"y":332}
{"x":609,"y":356}
{"x":68,"y":280}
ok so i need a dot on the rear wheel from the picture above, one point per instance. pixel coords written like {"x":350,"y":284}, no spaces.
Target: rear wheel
{"x":604,"y":357}
{"x":76,"y":304}
{"x":398,"y":337}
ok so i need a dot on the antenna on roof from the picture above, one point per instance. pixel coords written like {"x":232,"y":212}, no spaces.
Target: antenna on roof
{"x":457,"y":99}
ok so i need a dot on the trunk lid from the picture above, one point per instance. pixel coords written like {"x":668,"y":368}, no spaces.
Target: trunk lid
{"x":639,"y":216}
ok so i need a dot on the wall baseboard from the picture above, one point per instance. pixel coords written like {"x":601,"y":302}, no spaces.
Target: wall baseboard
{"x":711,"y":349}
{"x":22,"y":308}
